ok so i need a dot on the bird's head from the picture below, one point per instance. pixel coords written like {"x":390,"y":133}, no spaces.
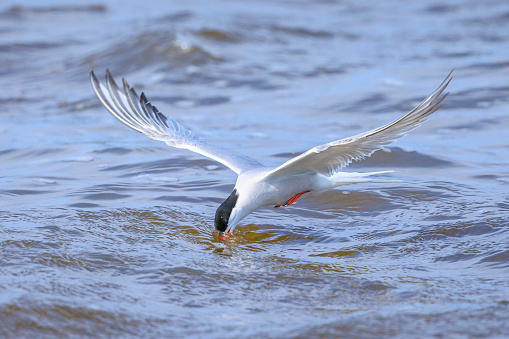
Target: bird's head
{"x":224,"y":217}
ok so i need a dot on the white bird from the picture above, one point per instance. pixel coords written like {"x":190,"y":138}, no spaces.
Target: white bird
{"x":313,"y":172}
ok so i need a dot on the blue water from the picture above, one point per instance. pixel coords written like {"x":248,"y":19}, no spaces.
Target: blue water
{"x":107,"y":233}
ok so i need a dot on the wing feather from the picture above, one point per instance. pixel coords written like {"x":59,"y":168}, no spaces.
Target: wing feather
{"x":139,"y":114}
{"x":329,"y":158}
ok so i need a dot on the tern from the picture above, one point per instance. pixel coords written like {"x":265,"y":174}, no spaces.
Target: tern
{"x":312,"y":172}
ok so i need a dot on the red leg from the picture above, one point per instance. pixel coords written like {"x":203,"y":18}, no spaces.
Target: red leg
{"x":293,"y":199}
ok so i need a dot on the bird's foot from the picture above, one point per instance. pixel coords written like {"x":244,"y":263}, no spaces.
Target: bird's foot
{"x":292,"y":199}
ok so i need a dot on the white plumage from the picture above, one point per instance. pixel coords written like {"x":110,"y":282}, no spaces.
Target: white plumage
{"x":314,"y":171}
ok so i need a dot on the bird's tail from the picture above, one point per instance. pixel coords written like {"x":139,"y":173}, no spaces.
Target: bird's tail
{"x":345,"y":178}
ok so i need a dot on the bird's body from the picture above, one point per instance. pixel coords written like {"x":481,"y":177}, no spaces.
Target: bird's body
{"x":266,"y":190}
{"x":260,"y":189}
{"x":313,"y":172}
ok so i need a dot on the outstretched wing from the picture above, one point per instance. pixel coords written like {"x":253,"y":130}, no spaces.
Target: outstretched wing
{"x":138,"y":114}
{"x":330,"y":158}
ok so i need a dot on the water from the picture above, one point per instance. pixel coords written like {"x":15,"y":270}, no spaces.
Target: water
{"x":106,"y":233}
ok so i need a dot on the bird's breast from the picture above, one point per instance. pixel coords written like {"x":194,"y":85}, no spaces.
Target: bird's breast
{"x":263,"y":191}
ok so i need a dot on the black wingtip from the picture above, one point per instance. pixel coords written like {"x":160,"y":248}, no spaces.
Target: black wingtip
{"x":93,"y":78}
{"x":109,"y":76}
{"x":126,"y":84}
{"x":143,"y":98}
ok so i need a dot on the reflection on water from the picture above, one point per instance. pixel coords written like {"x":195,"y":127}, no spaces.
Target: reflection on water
{"x":107,"y":233}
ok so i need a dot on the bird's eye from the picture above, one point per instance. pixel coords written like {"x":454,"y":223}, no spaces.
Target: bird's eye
{"x":225,"y":221}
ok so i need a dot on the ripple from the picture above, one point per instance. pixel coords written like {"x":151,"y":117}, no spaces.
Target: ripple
{"x":161,"y":48}
{"x":24,"y":319}
{"x":107,"y":234}
{"x":301,"y":32}
{"x":105,"y":196}
{"x":22,"y":192}
{"x":218,"y":35}
{"x":54,"y":9}
{"x":498,"y":258}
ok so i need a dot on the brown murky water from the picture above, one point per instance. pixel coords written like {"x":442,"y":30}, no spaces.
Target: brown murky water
{"x":106,"y":233}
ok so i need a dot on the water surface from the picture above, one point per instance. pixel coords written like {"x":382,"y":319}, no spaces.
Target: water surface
{"x":106,"y":233}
